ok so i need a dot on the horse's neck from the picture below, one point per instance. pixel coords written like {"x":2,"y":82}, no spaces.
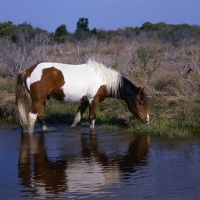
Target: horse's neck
{"x":125,"y":91}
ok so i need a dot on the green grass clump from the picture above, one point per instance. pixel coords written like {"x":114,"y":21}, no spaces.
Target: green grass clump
{"x":58,"y":112}
{"x":160,"y":127}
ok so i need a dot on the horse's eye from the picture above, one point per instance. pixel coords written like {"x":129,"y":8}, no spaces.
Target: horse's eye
{"x":141,"y":102}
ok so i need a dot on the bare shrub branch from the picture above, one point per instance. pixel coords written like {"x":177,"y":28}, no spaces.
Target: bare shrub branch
{"x":29,"y":48}
{"x":140,"y":61}
{"x":186,"y":62}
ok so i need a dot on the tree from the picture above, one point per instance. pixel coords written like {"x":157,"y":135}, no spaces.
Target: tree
{"x":7,"y":29}
{"x":27,"y":30}
{"x":147,"y":26}
{"x":82,"y":32}
{"x":82,"y":24}
{"x":61,"y":33}
{"x":94,"y":31}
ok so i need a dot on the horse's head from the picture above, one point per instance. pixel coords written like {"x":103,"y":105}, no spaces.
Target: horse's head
{"x":140,"y":107}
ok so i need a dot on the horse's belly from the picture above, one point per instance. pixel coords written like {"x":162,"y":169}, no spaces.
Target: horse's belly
{"x":72,"y":97}
{"x":75,"y":93}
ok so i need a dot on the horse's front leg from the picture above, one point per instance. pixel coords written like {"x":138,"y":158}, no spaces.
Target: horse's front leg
{"x":40,"y":117}
{"x":92,"y":112}
{"x":81,"y":109}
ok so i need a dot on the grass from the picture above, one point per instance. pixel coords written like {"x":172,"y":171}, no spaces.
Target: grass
{"x":112,"y":114}
{"x":7,"y":85}
{"x":58,"y":112}
{"x":162,"y":127}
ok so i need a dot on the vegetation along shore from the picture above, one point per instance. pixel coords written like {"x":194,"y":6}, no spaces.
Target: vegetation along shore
{"x":163,"y":58}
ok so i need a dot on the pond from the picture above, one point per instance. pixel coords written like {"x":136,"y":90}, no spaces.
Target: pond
{"x":72,"y":163}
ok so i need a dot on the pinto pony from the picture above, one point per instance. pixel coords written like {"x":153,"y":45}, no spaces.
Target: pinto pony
{"x":88,"y":84}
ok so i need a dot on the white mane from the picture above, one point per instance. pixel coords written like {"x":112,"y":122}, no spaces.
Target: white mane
{"x":110,"y":77}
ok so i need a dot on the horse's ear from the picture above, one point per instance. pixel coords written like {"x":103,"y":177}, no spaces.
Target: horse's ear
{"x":140,"y":90}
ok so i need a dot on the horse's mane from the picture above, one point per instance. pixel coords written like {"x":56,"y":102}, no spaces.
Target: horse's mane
{"x":110,"y":77}
{"x":128,"y":87}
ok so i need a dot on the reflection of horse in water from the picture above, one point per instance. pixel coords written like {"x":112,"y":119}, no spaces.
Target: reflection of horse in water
{"x":136,"y":154}
{"x":91,"y":169}
{"x":37,"y":171}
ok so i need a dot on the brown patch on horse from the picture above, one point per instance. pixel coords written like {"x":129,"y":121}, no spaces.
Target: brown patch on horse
{"x":100,"y":96}
{"x":51,"y":82}
{"x":84,"y":98}
{"x":101,"y":93}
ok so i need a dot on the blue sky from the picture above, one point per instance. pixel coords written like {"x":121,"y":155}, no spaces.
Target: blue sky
{"x":102,"y":14}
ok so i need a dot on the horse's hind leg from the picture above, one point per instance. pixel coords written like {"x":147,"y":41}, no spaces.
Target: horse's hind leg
{"x":37,"y":112}
{"x":32,"y":119}
{"x":79,"y":113}
{"x":42,"y":122}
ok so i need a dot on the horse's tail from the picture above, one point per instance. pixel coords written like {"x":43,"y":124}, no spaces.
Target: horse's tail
{"x":23,"y":100}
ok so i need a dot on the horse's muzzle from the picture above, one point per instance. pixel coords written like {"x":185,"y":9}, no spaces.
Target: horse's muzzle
{"x":147,"y":119}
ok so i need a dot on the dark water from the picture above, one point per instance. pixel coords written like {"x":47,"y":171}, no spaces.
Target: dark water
{"x":70,"y":163}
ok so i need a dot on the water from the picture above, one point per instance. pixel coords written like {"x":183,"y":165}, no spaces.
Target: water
{"x":71,"y":163}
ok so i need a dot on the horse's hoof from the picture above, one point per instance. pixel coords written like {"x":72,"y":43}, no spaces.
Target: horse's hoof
{"x":92,"y":131}
{"x":44,"y":128}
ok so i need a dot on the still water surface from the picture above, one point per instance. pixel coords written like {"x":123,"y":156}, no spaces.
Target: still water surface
{"x":71,"y":163}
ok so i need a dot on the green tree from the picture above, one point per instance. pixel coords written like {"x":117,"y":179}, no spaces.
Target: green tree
{"x":147,"y":26}
{"x":27,"y":30}
{"x":94,"y":31}
{"x":7,"y":29}
{"x":61,"y":33}
{"x":82,"y":32}
{"x":29,"y":33}
{"x":82,"y":24}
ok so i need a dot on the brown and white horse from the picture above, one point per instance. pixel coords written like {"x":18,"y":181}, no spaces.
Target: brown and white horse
{"x":88,"y":84}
